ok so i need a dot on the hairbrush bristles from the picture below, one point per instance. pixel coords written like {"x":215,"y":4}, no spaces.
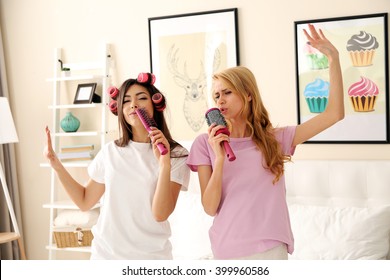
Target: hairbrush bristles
{"x":214,"y":115}
{"x":149,"y":122}
{"x":145,"y":119}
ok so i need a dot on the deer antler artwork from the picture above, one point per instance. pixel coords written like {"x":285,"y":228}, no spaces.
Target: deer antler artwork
{"x":195,"y":101}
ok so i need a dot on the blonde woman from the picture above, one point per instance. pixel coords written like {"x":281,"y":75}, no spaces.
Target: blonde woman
{"x":247,"y":196}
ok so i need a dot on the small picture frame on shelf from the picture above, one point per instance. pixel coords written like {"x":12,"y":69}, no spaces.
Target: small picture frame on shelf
{"x":86,"y":94}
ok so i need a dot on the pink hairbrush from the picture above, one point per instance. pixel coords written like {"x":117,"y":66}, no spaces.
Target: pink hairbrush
{"x":149,"y":122}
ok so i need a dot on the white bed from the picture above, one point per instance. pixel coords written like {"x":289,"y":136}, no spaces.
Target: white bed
{"x":339,"y":209}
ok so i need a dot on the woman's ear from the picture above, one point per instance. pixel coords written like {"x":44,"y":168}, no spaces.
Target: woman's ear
{"x":249,"y":98}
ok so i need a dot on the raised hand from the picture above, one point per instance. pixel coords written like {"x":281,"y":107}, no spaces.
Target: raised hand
{"x":49,"y":153}
{"x":318,"y":40}
{"x":334,"y":111}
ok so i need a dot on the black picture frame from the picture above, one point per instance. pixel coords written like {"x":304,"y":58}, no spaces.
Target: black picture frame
{"x":185,"y":50}
{"x":366,"y":115}
{"x":85,"y":93}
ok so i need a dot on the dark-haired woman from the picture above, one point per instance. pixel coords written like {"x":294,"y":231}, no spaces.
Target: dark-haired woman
{"x":140,"y":186}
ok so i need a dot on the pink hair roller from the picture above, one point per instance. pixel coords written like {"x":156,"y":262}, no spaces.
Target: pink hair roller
{"x":146,"y":78}
{"x":113,"y":92}
{"x":158,"y":101}
{"x":113,"y":106}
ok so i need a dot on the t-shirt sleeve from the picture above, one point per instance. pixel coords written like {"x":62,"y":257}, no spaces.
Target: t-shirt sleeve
{"x":199,"y":153}
{"x":286,"y":138}
{"x":180,"y":173}
{"x":96,"y":169}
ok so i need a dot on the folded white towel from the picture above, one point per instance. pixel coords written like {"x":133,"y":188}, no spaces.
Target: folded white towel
{"x":84,"y":219}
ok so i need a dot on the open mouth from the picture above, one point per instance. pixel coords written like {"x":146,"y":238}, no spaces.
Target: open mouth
{"x":223,"y":110}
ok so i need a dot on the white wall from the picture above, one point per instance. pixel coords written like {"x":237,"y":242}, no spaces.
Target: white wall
{"x":32,"y":29}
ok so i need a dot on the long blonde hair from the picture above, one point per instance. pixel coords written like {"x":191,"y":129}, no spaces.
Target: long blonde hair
{"x":243,"y":82}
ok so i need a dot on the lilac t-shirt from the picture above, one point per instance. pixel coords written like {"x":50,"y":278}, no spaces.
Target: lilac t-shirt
{"x":253,"y":215}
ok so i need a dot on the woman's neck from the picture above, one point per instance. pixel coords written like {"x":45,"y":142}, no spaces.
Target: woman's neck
{"x":239,"y":130}
{"x":141,"y":135}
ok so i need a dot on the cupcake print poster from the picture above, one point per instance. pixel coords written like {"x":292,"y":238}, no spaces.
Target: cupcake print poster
{"x":362,"y":45}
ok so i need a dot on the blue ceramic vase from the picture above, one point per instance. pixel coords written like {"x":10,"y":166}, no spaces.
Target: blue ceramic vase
{"x":70,"y":123}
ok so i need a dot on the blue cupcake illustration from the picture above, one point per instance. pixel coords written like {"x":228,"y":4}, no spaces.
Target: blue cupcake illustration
{"x":316,"y":95}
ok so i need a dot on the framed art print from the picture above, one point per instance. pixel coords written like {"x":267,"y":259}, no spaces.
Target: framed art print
{"x":185,"y":50}
{"x":363,"y":50}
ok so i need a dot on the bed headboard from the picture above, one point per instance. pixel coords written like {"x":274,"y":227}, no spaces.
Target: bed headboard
{"x":339,"y":209}
{"x":343,"y":183}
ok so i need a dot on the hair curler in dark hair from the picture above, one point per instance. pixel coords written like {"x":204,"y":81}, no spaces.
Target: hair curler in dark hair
{"x":113,"y":106}
{"x":157,"y":98}
{"x":113,"y":92}
{"x":159,"y":101}
{"x":146,"y":78}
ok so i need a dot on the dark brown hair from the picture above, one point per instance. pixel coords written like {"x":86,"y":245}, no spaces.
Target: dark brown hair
{"x":125,"y":129}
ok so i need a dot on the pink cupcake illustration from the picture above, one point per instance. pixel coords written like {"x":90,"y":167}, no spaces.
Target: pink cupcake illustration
{"x":363,"y":95}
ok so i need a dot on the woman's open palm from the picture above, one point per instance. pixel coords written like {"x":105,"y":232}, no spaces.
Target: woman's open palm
{"x":318,"y":40}
{"x":49,"y":153}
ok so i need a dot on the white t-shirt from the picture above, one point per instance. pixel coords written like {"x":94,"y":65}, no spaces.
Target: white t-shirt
{"x":126,"y":228}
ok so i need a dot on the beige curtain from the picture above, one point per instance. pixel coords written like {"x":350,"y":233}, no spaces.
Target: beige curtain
{"x":9,"y":250}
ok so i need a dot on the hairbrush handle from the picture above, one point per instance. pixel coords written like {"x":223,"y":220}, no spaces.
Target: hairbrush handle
{"x":228,"y":150}
{"x":162,"y":149}
{"x":147,"y":123}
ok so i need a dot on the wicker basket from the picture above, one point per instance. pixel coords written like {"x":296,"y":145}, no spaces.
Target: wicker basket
{"x":72,"y":237}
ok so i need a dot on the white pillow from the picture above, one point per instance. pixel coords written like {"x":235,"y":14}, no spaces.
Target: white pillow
{"x":333,"y":233}
{"x":84,"y":219}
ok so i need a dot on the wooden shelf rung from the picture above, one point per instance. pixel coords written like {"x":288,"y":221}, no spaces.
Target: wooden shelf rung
{"x":8,"y":236}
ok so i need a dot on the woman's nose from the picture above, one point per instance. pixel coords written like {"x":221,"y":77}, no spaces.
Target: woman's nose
{"x":134,"y":105}
{"x":220,"y":101}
